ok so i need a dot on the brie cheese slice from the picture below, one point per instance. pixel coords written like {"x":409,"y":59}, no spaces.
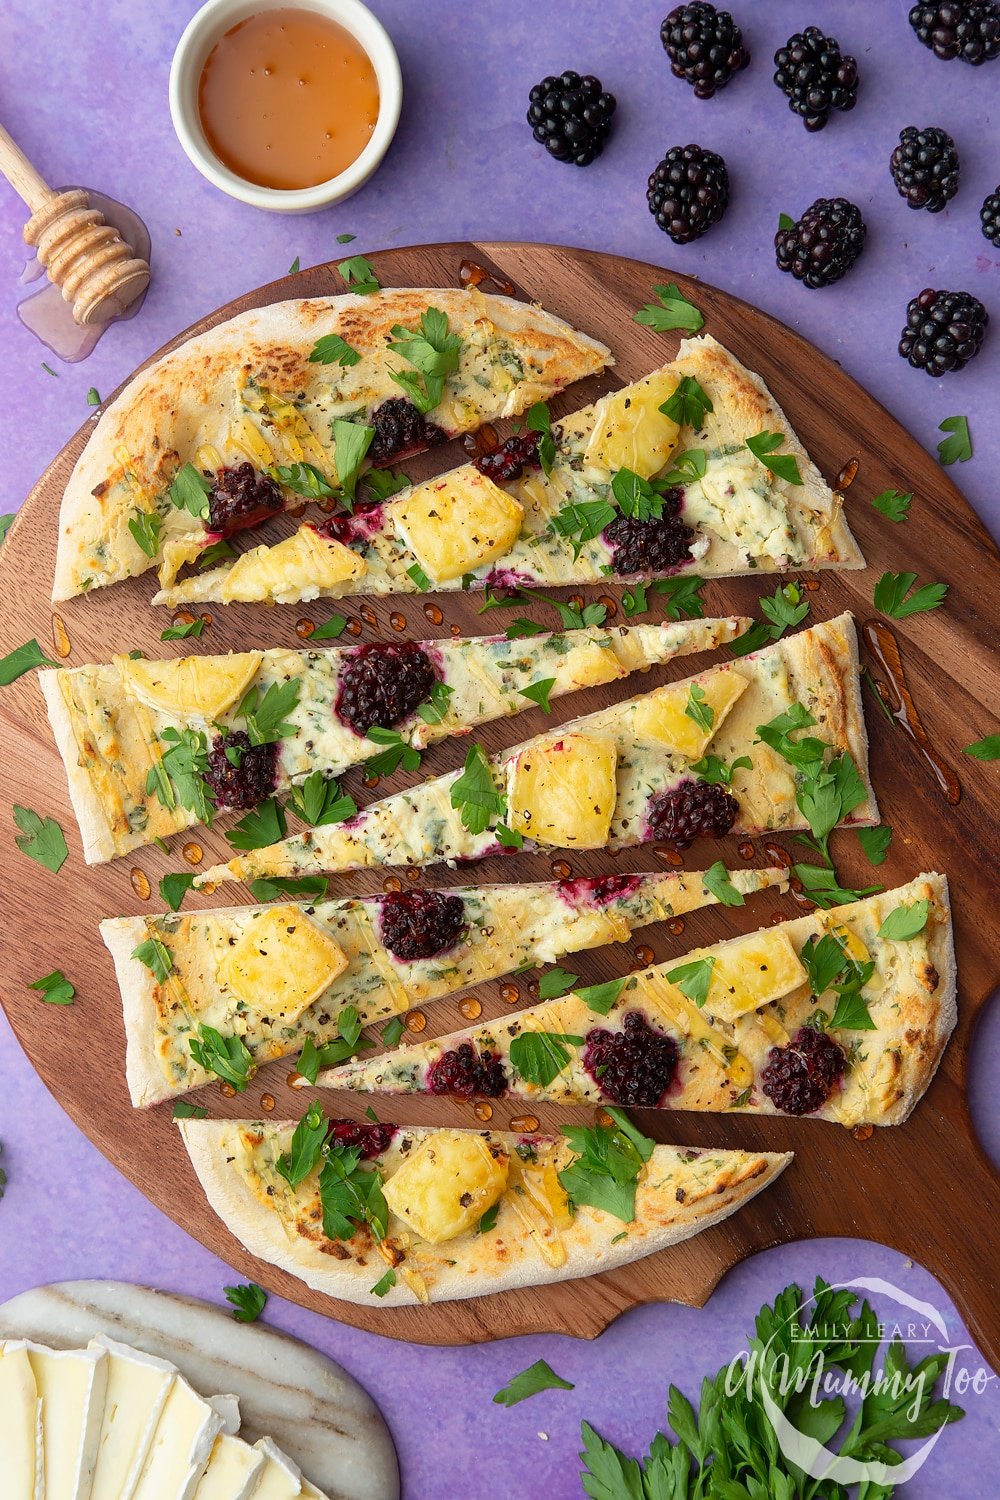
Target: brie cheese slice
{"x":137,"y":1391}
{"x":280,"y":1478}
{"x":233,"y":1470}
{"x":21,"y":1457}
{"x":72,"y":1385}
{"x":181,"y":1447}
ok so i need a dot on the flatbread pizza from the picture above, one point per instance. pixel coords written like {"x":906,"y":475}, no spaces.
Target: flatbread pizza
{"x":670,"y":765}
{"x":398,"y":1216}
{"x":693,"y":469}
{"x":288,"y":402}
{"x":277,"y":978}
{"x":153,"y":747}
{"x":842,"y":1015}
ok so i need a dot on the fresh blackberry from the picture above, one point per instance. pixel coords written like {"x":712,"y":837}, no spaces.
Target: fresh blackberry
{"x":467,"y":1073}
{"x":571,"y":116}
{"x":688,"y":192}
{"x":823,"y":244}
{"x":509,"y":461}
{"x":924,"y":167}
{"x":420,"y":924}
{"x":241,"y":497}
{"x":800,"y":1078}
{"x":816,"y":76}
{"x":383,"y":683}
{"x":691,"y":810}
{"x":705,"y":46}
{"x":239,"y":774}
{"x":989,"y":217}
{"x":653,"y":546}
{"x":969,"y":29}
{"x":401,"y":428}
{"x":371,"y":1140}
{"x":944,"y":330}
{"x":635,"y":1066}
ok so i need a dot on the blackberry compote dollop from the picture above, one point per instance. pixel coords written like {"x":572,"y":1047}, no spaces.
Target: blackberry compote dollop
{"x":944,"y":330}
{"x":925,"y":167}
{"x":815,"y":76}
{"x":241,"y":497}
{"x":371,"y":1139}
{"x":691,"y":810}
{"x":468,"y":1074}
{"x":705,"y":46}
{"x":823,"y":244}
{"x":401,"y":428}
{"x":383,"y":683}
{"x":509,"y":461}
{"x":799,"y":1078}
{"x":653,"y":546}
{"x":571,"y":116}
{"x":420,"y":924}
{"x":634,"y":1066}
{"x":246,"y":775}
{"x":688,"y":192}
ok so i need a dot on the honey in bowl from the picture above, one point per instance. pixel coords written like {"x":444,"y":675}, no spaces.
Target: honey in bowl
{"x":288,"y":99}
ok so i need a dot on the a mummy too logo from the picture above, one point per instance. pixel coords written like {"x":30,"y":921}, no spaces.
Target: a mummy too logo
{"x":838,"y":1382}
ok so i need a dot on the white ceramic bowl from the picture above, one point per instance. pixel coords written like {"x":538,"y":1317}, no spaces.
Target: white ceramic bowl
{"x":200,"y":36}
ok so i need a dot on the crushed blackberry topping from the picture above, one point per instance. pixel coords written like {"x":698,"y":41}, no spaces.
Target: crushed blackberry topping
{"x":401,"y":428}
{"x":634,"y":1066}
{"x":799,"y":1078}
{"x":383,"y":683}
{"x":468,"y":1073}
{"x":692,"y":810}
{"x":373,"y":1139}
{"x":420,"y":924}
{"x":249,"y":780}
{"x":509,"y":461}
{"x":653,"y":546}
{"x":241,"y":497}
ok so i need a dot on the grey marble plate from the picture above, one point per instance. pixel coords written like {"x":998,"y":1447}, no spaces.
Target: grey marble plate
{"x":308,"y":1404}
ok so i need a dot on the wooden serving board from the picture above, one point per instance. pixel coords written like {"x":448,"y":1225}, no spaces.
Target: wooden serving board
{"x":925,"y":1188}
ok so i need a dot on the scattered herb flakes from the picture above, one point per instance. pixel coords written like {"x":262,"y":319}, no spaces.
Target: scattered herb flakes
{"x":601,"y":998}
{"x":331,"y":349}
{"x":392,"y":1031}
{"x":985,"y":749}
{"x":157,"y":958}
{"x":538,"y":692}
{"x":893,"y":504}
{"x":693,"y":979}
{"x":397,"y":752}
{"x":475,"y":793}
{"x":174,"y":887}
{"x":16,"y":663}
{"x":434,"y":353}
{"x":537,"y":1377}
{"x":181,"y":632}
{"x":670,"y":310}
{"x":906,"y":922}
{"x":331,"y":629}
{"x":784,"y":465}
{"x":247,"y":1301}
{"x":41,"y":839}
{"x":716,"y":879}
{"x":556,"y":982}
{"x":892,"y":590}
{"x":384,"y":1284}
{"x":538,"y":420}
{"x":875,"y":842}
{"x":93,"y":396}
{"x":540,"y":1056}
{"x":55,"y":988}
{"x":225,"y":1056}
{"x":145,"y":527}
{"x":185,"y":1110}
{"x":262,"y":826}
{"x":306,"y":1146}
{"x":359,"y":274}
{"x":416,"y":572}
{"x":957,"y":447}
{"x":688,"y":404}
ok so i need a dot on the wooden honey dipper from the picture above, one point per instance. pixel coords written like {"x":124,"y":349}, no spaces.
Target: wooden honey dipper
{"x":87,"y":258}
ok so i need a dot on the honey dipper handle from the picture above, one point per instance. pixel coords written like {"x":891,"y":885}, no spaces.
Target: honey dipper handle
{"x":26,"y":182}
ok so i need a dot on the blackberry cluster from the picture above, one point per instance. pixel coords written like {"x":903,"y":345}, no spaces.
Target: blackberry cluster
{"x":420,"y":924}
{"x":245,"y":776}
{"x":688,"y":192}
{"x":944,"y":330}
{"x":241,"y":497}
{"x":822,"y":246}
{"x":816,"y":76}
{"x":509,"y":461}
{"x":372,"y":1139}
{"x":705,"y":46}
{"x":799,"y":1078}
{"x":467,"y":1074}
{"x":634,"y":1067}
{"x":401,"y":428}
{"x":571,"y":117}
{"x":691,"y":810}
{"x":989,"y":217}
{"x":383,"y":683}
{"x":925,"y":168}
{"x":967,"y":29}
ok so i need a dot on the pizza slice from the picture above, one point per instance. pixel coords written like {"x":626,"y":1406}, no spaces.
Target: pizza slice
{"x":693,"y":469}
{"x":288,"y":403}
{"x":402,"y":1215}
{"x":840,"y":1015}
{"x":152,"y":747}
{"x":273,"y":979}
{"x":731,"y":749}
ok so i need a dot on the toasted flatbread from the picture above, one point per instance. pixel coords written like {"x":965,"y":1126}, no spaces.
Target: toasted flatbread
{"x":534,"y":1238}
{"x":740,"y":516}
{"x":624,"y":758}
{"x":248,"y":391}
{"x":491,"y":931}
{"x":758,"y":999}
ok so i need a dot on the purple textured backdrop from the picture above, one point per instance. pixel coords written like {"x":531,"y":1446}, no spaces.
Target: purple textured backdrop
{"x":84,"y":91}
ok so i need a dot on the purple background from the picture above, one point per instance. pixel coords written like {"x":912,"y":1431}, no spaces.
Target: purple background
{"x":84,"y":91}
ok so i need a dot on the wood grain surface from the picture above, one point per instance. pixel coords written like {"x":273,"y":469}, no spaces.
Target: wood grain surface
{"x":925,"y":1188}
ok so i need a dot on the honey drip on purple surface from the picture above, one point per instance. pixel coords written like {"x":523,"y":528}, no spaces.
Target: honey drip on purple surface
{"x":884,"y":647}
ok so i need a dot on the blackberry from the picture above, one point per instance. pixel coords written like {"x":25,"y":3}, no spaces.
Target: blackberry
{"x":420,"y":924}
{"x":467,"y":1073}
{"x":944,"y":330}
{"x":383,"y":683}
{"x":989,"y":217}
{"x":801,"y":1077}
{"x":705,"y":46}
{"x":571,"y":116}
{"x":823,"y":244}
{"x":634,"y":1066}
{"x":816,"y":76}
{"x":241,"y":497}
{"x":969,"y":29}
{"x":401,"y":428}
{"x":509,"y":461}
{"x":691,"y":810}
{"x":244,"y":776}
{"x":924,"y":167}
{"x":598,"y":890}
{"x":653,"y":546}
{"x":371,"y":1139}
{"x":688,"y":192}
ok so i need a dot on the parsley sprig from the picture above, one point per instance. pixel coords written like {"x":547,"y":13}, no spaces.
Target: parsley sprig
{"x":670,"y":310}
{"x":434,"y":354}
{"x":893,"y":597}
{"x":608,"y":1162}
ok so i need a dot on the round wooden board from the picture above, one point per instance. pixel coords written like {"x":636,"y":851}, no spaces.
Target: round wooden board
{"x":925,"y":1188}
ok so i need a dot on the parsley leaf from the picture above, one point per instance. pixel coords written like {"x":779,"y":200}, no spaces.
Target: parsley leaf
{"x":303,"y":479}
{"x":601,"y":998}
{"x":520,"y":628}
{"x":380,"y":484}
{"x":905,"y":922}
{"x":398,"y":752}
{"x":538,"y":692}
{"x":392,"y":1031}
{"x":508,"y":838}
{"x":181,"y":632}
{"x":435,"y":710}
{"x":784,"y":465}
{"x":318,"y":800}
{"x":893,"y":504}
{"x":688,"y":468}
{"x":608,"y":1161}
{"x":641,"y":499}
{"x":24,"y":659}
{"x":181,"y":770}
{"x":185,"y":1110}
{"x":384,"y":1283}
{"x":538,"y":420}
{"x":805,"y":754}
{"x":351,"y":1195}
{"x":332,"y":627}
{"x":985,"y":749}
{"x":475,"y":793}
{"x":189,"y":490}
{"x":556,"y":982}
{"x":307,"y":887}
{"x":693,"y":979}
{"x":539,"y":1056}
{"x":225,"y":1056}
{"x":209,"y":556}
{"x":786,"y":607}
{"x":821,"y":885}
{"x":698,"y":708}
{"x":306,"y":1146}
{"x":581,"y":521}
{"x":341,"y":1048}
{"x":331,"y":349}
{"x":716,"y":879}
{"x":265,"y":715}
{"x":416,"y":572}
{"x":671,"y":310}
{"x":145,"y":527}
{"x":715,"y":771}
{"x":157,"y":958}
{"x":434,"y":354}
{"x":247,"y":1301}
{"x":41,"y":839}
{"x":345,"y":239}
{"x":824,"y":961}
{"x":359,"y":275}
{"x":957,"y":447}
{"x":891,"y":595}
{"x":688,"y":404}
{"x":5,"y":524}
{"x":851,"y":1012}
{"x":263,"y":825}
{"x":55,"y":988}
{"x":537,"y":1377}
{"x":489,"y":1219}
{"x":174,"y":887}
{"x":681,"y":596}
{"x":93,"y":396}
{"x":875,"y":842}
{"x":351,"y":442}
